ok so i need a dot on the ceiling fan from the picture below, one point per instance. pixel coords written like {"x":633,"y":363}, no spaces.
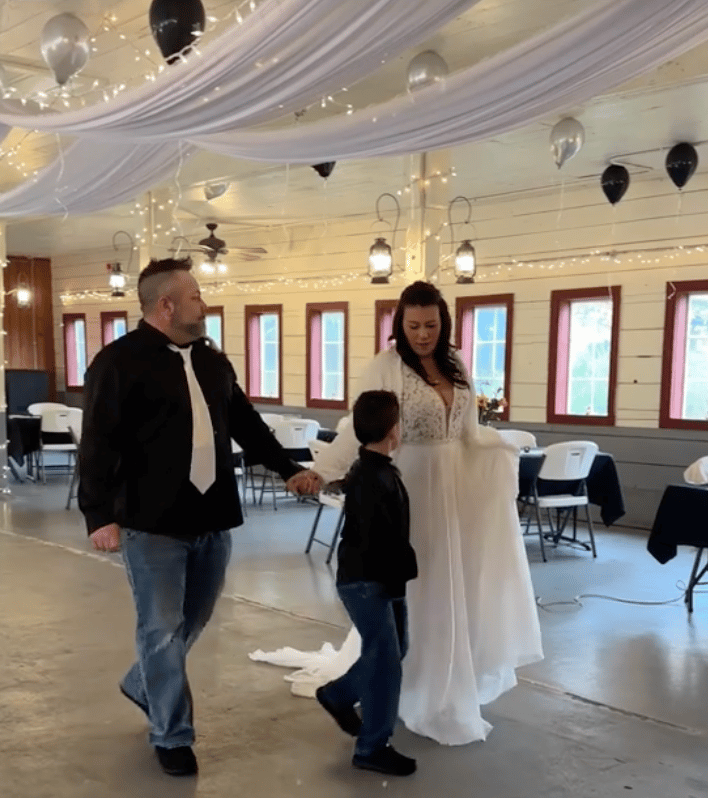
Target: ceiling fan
{"x":212,"y":247}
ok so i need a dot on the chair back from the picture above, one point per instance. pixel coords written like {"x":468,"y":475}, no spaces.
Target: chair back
{"x":519,"y":437}
{"x":312,"y":427}
{"x":568,"y":460}
{"x":55,"y":419}
{"x":75,"y":417}
{"x":38,"y":408}
{"x":271,"y":419}
{"x":291,"y":433}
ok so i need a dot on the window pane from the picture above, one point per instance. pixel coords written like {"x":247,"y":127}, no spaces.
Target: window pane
{"x":589,"y":357}
{"x":269,"y":327}
{"x":213,"y":328}
{"x":332,"y":326}
{"x":332,"y":355}
{"x":269,"y":355}
{"x":80,"y":338}
{"x":695,"y":384}
{"x":489,"y":349}
{"x":119,"y":328}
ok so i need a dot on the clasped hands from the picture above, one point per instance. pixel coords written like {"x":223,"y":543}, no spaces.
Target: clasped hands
{"x":305,"y":482}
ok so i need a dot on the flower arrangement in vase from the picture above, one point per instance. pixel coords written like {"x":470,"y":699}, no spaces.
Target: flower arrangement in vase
{"x":489,"y":407}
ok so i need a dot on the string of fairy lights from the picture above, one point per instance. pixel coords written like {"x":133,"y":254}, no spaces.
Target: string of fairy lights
{"x":660,"y":256}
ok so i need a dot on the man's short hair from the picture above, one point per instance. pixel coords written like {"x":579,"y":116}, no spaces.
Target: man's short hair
{"x":375,"y":414}
{"x":155,"y":275}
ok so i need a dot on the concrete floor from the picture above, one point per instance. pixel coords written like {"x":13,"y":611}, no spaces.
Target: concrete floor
{"x":619,"y":704}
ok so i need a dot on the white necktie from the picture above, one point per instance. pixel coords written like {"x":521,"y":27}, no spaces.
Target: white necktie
{"x":203,"y":469}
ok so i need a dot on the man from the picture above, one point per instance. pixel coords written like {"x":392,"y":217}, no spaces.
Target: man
{"x":157,"y":482}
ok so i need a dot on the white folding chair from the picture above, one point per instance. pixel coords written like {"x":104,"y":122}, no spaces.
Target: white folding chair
{"x":37,"y":408}
{"x":55,"y":421}
{"x":519,"y":437}
{"x":291,"y":433}
{"x":325,"y":499}
{"x":570,"y":461}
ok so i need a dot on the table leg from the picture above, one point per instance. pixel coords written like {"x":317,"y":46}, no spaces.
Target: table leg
{"x":695,"y":579}
{"x":13,"y":468}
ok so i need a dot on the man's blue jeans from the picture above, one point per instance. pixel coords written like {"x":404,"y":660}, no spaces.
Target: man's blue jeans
{"x":374,"y":680}
{"x":175,"y":584}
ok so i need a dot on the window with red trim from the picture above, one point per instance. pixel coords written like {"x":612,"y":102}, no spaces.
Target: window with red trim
{"x":214,"y":321}
{"x":385,"y":310}
{"x":484,"y":329}
{"x":74,"y":350}
{"x":263,"y":353}
{"x":582,"y":361}
{"x":684,"y":383}
{"x":327,"y":354}
{"x":114,"y":323}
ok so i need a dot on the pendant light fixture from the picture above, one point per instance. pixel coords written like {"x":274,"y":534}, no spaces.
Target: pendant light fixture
{"x":381,"y":254}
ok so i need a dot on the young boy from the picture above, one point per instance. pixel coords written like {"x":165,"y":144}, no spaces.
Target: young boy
{"x":375,"y":562}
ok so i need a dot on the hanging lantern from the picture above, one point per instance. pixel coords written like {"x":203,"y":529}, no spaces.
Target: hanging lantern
{"x":380,"y":261}
{"x":465,"y":262}
{"x":116,"y":279}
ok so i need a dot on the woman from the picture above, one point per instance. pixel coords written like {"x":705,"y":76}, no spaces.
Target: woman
{"x":473,"y":616}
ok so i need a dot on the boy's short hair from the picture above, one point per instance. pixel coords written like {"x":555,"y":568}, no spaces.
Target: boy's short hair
{"x":375,"y":414}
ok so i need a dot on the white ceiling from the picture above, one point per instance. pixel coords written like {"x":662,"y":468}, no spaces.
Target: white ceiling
{"x":635,"y":124}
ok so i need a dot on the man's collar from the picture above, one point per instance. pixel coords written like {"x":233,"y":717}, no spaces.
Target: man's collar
{"x":154,"y":337}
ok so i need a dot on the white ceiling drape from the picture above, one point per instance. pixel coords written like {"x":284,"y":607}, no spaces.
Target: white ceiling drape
{"x":609,"y":43}
{"x":285,"y":56}
{"x":91,"y":176}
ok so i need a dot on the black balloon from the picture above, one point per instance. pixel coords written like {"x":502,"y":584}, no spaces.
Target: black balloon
{"x":324,"y":169}
{"x":615,"y":181}
{"x":681,"y":163}
{"x":175,"y":24}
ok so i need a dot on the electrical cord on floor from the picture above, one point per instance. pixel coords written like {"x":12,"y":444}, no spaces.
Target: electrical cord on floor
{"x":576,"y":601}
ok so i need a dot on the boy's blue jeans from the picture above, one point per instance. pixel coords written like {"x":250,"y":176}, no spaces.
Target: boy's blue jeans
{"x":175,"y":584}
{"x":374,"y":680}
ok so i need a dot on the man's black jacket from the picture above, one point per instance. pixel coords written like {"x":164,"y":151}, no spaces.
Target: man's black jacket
{"x":136,"y":440}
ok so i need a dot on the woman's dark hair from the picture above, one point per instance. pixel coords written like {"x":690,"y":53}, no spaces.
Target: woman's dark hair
{"x":374,"y":415}
{"x":424,"y":295}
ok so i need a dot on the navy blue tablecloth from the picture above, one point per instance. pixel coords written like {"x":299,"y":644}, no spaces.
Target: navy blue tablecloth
{"x":604,"y":489}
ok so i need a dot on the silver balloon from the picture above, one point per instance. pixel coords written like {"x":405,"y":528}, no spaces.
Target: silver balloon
{"x":425,"y":69}
{"x":214,"y":190}
{"x":65,"y":46}
{"x":567,"y":137}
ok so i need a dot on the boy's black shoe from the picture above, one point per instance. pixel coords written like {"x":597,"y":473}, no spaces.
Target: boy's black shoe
{"x":177,"y":761}
{"x":347,"y":719}
{"x":386,"y":760}
{"x":135,"y":701}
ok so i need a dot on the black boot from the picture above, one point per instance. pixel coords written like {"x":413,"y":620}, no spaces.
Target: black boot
{"x":386,"y":760}
{"x":177,"y":761}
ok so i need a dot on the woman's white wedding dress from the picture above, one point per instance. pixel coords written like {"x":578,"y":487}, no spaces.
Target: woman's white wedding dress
{"x":472,"y":615}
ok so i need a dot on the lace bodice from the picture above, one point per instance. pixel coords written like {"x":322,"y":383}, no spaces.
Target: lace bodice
{"x":423,"y":412}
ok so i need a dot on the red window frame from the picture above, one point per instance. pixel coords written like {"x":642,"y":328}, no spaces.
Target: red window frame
{"x":677,"y":294}
{"x":313,"y":321}
{"x":252,"y":314}
{"x":218,"y":310}
{"x":464,"y":341}
{"x":558,"y":355}
{"x":70,"y":364}
{"x":384,"y":310}
{"x":107,"y":319}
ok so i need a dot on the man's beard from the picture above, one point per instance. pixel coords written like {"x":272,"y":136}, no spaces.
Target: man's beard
{"x":196,"y":330}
